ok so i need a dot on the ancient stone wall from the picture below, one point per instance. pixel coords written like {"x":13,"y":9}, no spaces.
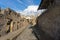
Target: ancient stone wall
{"x":49,"y":23}
{"x":10,"y":21}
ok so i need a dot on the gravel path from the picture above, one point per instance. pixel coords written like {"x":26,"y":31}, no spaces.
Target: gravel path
{"x":27,"y":35}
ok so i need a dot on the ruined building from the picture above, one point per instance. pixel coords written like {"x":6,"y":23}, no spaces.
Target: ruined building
{"x":49,"y":21}
{"x":10,"y":21}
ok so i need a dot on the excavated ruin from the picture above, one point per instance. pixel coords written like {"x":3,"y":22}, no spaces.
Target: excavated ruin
{"x":48,"y":23}
{"x":10,"y":21}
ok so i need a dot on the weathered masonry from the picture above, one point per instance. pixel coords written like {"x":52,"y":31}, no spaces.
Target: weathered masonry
{"x":49,"y":21}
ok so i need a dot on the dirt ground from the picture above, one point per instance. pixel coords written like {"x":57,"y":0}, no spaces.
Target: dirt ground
{"x":27,"y":34}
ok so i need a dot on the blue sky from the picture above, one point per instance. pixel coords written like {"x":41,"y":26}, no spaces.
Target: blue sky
{"x":18,"y":4}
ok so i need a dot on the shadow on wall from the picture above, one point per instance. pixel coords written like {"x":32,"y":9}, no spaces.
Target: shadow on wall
{"x":48,"y":24}
{"x":40,"y":34}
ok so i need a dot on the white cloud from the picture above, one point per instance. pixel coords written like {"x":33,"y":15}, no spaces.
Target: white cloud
{"x":40,"y":12}
{"x":30,"y":10}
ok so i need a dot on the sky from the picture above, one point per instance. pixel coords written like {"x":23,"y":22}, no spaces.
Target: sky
{"x":19,"y":5}
{"x":24,"y":7}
